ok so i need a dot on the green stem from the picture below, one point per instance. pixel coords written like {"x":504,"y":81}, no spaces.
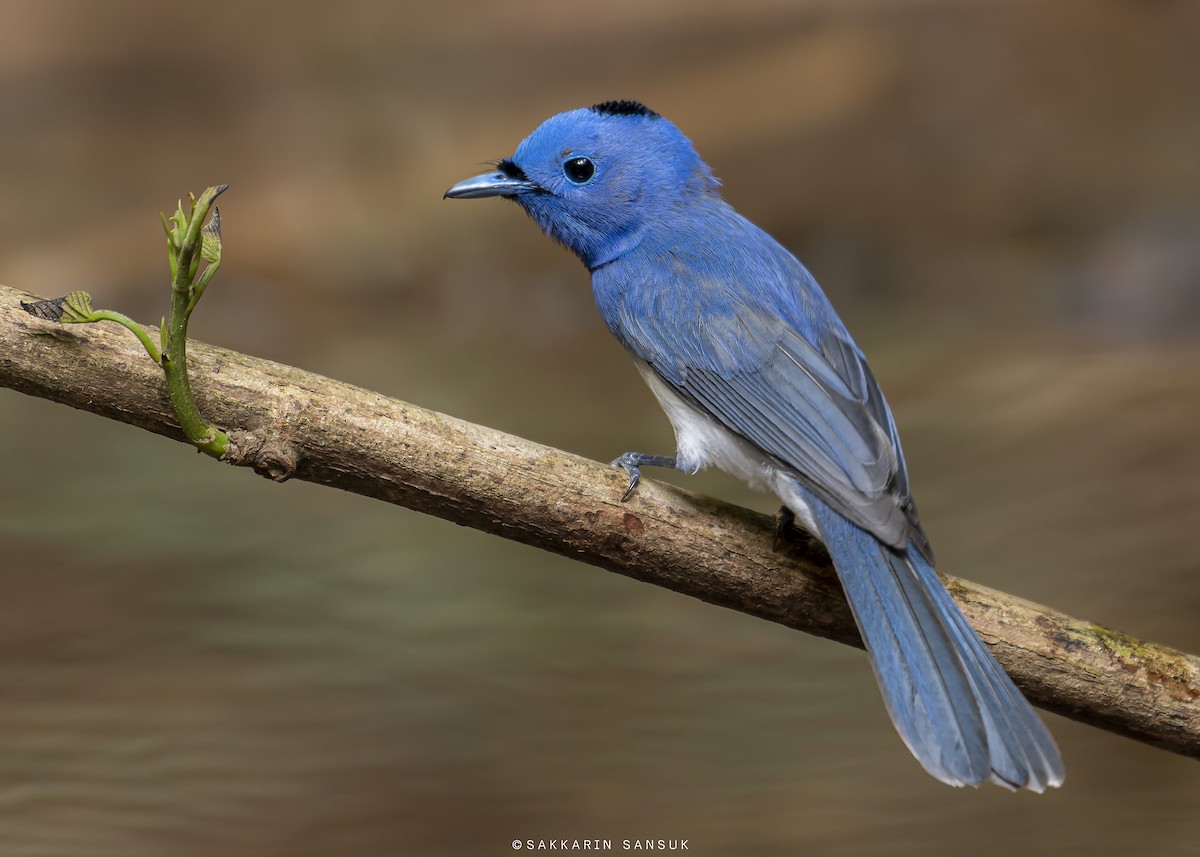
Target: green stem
{"x":135,"y":328}
{"x":206,"y":437}
{"x":201,"y":285}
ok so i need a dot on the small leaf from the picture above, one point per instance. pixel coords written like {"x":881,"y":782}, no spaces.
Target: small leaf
{"x":210,"y":238}
{"x":78,"y":308}
{"x":50,"y":310}
{"x":73,"y":308}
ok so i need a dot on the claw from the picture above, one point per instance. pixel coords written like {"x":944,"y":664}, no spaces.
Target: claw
{"x":632,"y":462}
{"x":635,"y":474}
{"x":634,"y":478}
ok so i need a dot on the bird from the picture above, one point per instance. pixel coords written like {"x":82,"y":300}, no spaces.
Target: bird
{"x":759,"y":377}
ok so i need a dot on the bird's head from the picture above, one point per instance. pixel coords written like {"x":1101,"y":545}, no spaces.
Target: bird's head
{"x":596,"y":179}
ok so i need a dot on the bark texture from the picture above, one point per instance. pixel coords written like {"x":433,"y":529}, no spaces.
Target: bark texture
{"x":288,"y":423}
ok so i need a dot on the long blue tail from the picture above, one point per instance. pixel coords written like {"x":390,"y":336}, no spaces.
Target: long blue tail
{"x":954,"y":706}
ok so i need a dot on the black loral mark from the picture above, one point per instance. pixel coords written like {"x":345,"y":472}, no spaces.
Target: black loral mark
{"x":511,"y":170}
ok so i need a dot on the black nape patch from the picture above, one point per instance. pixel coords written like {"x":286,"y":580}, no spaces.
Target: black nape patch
{"x":511,"y":170}
{"x":625,"y":108}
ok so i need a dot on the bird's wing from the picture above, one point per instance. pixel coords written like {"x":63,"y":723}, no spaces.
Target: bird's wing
{"x":816,"y":409}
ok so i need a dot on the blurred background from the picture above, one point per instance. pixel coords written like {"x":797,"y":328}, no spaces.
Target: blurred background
{"x":1002,"y":198}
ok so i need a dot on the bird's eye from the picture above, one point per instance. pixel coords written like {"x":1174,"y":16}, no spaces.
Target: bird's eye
{"x":579,"y":170}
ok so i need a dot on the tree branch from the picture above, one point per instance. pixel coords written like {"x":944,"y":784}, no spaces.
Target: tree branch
{"x":287,"y":423}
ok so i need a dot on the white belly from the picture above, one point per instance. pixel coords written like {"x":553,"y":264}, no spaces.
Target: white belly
{"x":702,"y":441}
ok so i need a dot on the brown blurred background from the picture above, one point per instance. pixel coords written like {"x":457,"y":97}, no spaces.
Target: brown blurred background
{"x":1003,"y":200}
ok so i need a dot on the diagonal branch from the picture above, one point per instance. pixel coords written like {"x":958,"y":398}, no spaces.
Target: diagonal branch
{"x":287,"y":423}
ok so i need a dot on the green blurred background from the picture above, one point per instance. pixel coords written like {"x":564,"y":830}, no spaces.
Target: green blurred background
{"x":1003,"y":200}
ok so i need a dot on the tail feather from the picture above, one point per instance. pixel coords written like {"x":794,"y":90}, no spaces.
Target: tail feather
{"x":1014,"y":728}
{"x":952,"y":703}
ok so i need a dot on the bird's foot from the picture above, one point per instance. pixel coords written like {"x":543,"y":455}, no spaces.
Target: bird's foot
{"x":785,"y":528}
{"x":633,"y":462}
{"x":792,"y":539}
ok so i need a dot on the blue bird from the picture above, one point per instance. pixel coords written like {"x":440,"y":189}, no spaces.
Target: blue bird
{"x":760,"y":378}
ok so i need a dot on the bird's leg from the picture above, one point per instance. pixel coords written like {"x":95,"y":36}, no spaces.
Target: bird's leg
{"x":634,"y":461}
{"x":785,"y":519}
{"x":790,"y":538}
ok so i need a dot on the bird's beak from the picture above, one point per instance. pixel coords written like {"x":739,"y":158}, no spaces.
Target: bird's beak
{"x":489,"y":184}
